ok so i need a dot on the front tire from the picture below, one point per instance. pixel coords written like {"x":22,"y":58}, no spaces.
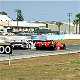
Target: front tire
{"x":64,"y":46}
{"x":29,"y":46}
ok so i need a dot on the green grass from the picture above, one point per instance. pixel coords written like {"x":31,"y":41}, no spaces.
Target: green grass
{"x":75,"y":62}
{"x":58,"y":67}
{"x":69,"y":42}
{"x":4,"y":43}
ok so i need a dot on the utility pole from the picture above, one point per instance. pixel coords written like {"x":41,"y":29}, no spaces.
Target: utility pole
{"x":17,"y":18}
{"x":69,"y":15}
{"x":8,"y":23}
{"x":17,"y":10}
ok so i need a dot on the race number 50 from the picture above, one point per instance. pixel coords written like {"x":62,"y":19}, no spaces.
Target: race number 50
{"x":5,"y":49}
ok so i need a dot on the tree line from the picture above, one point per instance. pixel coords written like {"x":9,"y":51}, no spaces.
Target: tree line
{"x":76,"y":22}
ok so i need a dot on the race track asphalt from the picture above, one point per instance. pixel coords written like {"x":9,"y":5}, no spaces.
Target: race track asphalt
{"x":28,"y":53}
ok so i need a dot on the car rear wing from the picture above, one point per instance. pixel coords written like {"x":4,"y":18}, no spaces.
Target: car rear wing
{"x":43,"y":40}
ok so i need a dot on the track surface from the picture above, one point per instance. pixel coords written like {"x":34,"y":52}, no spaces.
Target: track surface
{"x":28,"y":53}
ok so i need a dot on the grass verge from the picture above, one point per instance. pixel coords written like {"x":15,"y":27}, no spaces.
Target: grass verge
{"x":69,"y":42}
{"x":58,"y":67}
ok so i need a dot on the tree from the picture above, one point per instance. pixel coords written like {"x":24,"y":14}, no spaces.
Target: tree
{"x":75,"y":22}
{"x":59,"y":24}
{"x":19,"y":15}
{"x":3,"y":13}
{"x":78,"y":16}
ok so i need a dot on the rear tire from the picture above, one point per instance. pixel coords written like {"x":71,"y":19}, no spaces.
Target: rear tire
{"x":37,"y":48}
{"x":51,"y":48}
{"x":29,"y":46}
{"x":55,"y":47}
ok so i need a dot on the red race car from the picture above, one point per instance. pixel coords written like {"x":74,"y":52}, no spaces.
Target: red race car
{"x":48,"y":45}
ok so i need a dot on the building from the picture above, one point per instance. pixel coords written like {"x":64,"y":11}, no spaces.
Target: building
{"x":64,"y":28}
{"x":7,"y":24}
{"x":4,"y":18}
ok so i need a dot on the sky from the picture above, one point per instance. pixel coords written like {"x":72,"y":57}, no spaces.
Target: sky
{"x":42,"y":10}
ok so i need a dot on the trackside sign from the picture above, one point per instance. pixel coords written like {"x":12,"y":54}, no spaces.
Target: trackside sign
{"x":5,"y":49}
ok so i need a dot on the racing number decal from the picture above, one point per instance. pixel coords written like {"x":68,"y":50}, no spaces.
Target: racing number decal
{"x":5,"y":49}
{"x":1,"y":49}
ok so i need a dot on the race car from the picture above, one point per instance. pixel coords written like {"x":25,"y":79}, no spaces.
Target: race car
{"x":20,"y":44}
{"x":48,"y":45}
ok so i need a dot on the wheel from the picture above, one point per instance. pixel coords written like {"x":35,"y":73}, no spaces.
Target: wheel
{"x":29,"y":46}
{"x":51,"y":48}
{"x":64,"y":46}
{"x":54,"y":46}
{"x":37,"y":48}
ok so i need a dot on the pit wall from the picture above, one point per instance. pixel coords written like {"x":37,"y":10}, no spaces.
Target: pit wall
{"x":55,"y":37}
{"x":4,"y":39}
{"x":48,"y":37}
{"x":72,"y":36}
{"x":63,"y":37}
